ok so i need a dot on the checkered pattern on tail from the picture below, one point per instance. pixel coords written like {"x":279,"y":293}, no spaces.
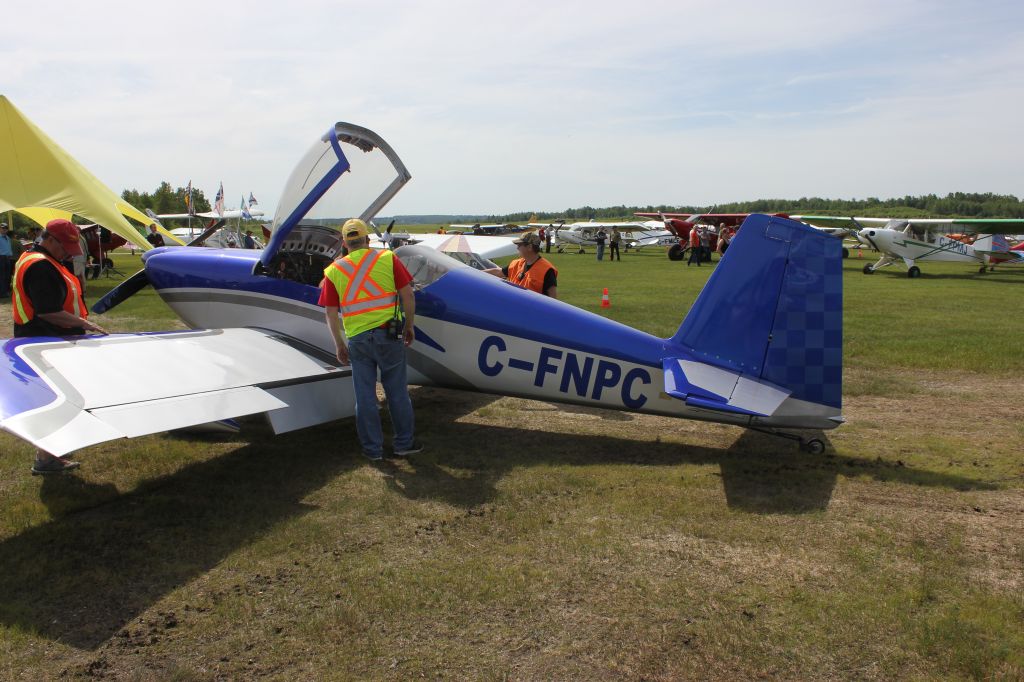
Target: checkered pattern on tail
{"x":805,"y":349}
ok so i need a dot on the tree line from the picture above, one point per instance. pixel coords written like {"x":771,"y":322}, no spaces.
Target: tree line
{"x":166,"y":199}
{"x":953,"y":205}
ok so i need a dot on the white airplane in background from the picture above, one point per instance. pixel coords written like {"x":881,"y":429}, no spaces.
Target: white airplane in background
{"x":585,"y":233}
{"x":981,"y":241}
{"x":652,"y":234}
{"x":233,"y":214}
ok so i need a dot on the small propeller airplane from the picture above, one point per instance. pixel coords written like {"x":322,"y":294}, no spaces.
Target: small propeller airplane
{"x":760,"y":348}
{"x":585,"y":233}
{"x":680,"y":225}
{"x":981,"y":241}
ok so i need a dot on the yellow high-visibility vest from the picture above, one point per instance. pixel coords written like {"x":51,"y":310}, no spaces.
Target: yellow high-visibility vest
{"x":365,"y":281}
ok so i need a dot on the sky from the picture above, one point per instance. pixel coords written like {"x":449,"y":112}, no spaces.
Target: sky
{"x":535,"y":106}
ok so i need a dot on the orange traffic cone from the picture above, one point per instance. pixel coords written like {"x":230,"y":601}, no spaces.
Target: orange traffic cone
{"x":605,"y":301}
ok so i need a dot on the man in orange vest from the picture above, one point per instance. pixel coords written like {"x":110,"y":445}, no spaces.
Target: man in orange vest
{"x":47,"y":301}
{"x":696,"y":252}
{"x":531,"y":270}
{"x":366,"y":286}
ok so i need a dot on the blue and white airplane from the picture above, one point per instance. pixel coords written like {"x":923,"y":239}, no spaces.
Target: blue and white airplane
{"x":760,"y":348}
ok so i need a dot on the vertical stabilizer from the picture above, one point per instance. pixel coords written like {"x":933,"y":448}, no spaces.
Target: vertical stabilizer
{"x":772,"y":311}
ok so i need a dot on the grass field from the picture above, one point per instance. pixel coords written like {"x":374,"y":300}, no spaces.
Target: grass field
{"x":538,"y":541}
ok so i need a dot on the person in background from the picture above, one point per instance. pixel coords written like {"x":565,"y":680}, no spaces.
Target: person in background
{"x":154,"y":237}
{"x":387,"y":238}
{"x":601,"y":237}
{"x":47,"y":301}
{"x":695,"y":250}
{"x":723,"y":240}
{"x":531,"y":270}
{"x":79,"y":262}
{"x":366,"y":286}
{"x":613,"y":245}
{"x":6,"y":260}
{"x":247,"y":241}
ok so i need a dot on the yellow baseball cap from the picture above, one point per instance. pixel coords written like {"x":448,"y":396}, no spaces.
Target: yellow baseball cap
{"x":354,"y":228}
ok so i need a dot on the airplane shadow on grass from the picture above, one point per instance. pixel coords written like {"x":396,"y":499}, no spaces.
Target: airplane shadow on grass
{"x":760,"y":473}
{"x":85,"y":575}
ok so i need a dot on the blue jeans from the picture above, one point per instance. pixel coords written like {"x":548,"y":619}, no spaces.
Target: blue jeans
{"x":600,"y":251}
{"x":368,"y":352}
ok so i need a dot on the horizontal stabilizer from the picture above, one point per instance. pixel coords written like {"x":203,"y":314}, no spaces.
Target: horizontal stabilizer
{"x":705,"y":386}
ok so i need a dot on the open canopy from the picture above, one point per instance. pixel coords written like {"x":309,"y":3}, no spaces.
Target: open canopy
{"x":42,"y":181}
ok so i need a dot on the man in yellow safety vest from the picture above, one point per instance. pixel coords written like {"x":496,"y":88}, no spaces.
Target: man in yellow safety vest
{"x":366,"y":286}
{"x":47,"y":301}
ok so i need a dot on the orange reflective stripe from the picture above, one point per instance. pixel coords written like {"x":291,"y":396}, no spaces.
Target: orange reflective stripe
{"x":355,"y":284}
{"x":345,"y":266}
{"x":369,"y":305}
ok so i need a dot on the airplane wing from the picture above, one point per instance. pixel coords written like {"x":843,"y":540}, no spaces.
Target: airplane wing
{"x":60,"y":394}
{"x":969,"y":225}
{"x":208,"y":215}
{"x":482,"y":245}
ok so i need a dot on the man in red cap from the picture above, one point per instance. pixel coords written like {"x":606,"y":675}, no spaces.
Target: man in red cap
{"x":47,"y":301}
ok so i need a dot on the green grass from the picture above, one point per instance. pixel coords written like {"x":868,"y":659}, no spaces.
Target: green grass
{"x":535,"y":542}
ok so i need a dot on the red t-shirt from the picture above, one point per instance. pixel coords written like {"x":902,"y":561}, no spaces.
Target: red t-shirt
{"x":329,"y":295}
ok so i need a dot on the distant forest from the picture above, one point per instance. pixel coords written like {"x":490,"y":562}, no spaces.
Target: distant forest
{"x":169,"y":199}
{"x":166,"y":199}
{"x":956,"y":204}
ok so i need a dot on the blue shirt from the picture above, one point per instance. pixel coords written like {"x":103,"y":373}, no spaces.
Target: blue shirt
{"x":5,"y":245}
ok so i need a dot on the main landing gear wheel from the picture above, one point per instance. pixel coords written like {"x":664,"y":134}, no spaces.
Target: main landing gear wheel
{"x":676,"y":252}
{"x":813,"y":446}
{"x":914,"y":272}
{"x":981,"y":270}
{"x":869,"y":269}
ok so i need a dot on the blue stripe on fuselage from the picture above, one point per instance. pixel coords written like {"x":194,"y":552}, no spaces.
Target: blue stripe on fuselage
{"x":206,"y":268}
{"x":475,"y":299}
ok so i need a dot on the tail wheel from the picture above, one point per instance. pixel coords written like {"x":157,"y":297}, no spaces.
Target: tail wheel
{"x":814,"y":446}
{"x":869,"y":269}
{"x":914,"y":272}
{"x":676,"y":252}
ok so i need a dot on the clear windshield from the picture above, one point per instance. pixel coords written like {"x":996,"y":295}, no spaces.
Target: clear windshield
{"x":369,"y":174}
{"x":425,"y":264}
{"x":350,"y":172}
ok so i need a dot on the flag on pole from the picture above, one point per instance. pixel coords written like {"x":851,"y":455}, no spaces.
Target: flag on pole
{"x":252,"y":200}
{"x":189,"y":207}
{"x":245,"y":210}
{"x":218,"y":205}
